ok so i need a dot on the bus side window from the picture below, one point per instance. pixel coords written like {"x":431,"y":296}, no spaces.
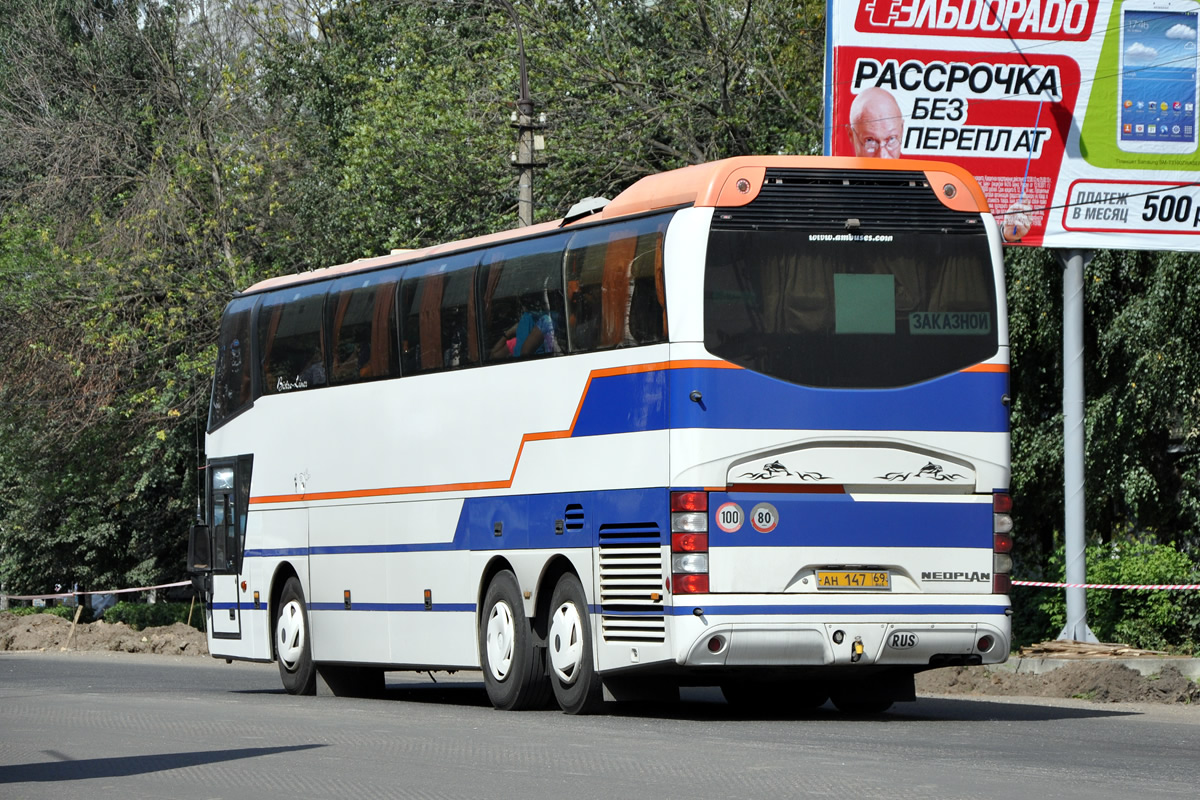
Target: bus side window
{"x":231,"y":386}
{"x":616,"y":296}
{"x":647,"y":304}
{"x":291,"y":341}
{"x":520,"y":285}
{"x":361,"y":316}
{"x":438,"y":328}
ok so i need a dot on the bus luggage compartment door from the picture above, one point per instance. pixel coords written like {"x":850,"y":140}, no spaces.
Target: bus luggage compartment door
{"x":226,"y":616}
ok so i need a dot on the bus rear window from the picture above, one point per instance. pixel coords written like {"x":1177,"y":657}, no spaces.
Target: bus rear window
{"x":849,"y":312}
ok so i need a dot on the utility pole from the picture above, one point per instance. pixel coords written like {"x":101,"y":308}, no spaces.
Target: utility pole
{"x":1074,"y":416}
{"x":528,"y":140}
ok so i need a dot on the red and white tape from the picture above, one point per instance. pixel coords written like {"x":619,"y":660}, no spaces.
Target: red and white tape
{"x":1039,"y":584}
{"x":102,"y":591}
{"x":1146,"y":586}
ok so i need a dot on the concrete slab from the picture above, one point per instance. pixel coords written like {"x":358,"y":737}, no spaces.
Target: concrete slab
{"x":1146,"y":665}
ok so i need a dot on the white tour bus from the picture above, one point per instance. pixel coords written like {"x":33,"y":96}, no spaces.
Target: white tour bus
{"x":744,"y":426}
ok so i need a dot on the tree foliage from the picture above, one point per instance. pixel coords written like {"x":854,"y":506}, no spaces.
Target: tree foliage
{"x":1142,"y":379}
{"x":142,"y":186}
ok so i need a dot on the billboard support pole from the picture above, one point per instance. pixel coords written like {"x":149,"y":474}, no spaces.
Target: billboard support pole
{"x":1073,"y":262}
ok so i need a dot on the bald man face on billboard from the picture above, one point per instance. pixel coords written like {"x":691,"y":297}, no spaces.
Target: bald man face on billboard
{"x":876,"y":131}
{"x":876,"y":124}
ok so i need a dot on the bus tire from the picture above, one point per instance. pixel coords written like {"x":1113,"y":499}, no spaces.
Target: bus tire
{"x":293,"y":641}
{"x":573,"y":676}
{"x":513,"y":672}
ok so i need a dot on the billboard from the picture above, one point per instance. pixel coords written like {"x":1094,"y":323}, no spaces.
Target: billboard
{"x":1078,"y":117}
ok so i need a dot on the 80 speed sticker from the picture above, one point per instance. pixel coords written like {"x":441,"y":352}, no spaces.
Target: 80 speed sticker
{"x":764,"y":517}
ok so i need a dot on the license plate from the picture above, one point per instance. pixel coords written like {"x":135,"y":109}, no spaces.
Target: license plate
{"x":848,"y":579}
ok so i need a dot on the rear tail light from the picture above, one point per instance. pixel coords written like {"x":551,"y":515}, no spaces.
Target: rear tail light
{"x":690,"y":584}
{"x":1002,"y":543}
{"x":689,"y":501}
{"x":689,"y":542}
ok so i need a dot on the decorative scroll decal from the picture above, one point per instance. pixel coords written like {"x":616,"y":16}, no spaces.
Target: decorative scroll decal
{"x":930,"y":471}
{"x":776,"y":468}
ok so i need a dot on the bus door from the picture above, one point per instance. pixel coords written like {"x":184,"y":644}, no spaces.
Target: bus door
{"x":229,"y":485}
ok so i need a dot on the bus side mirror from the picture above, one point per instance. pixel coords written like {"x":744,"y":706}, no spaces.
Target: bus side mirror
{"x":198,"y":550}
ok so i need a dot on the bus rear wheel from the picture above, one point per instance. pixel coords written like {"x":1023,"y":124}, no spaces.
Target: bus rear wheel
{"x":512,"y":669}
{"x":573,"y":675}
{"x":293,"y":646}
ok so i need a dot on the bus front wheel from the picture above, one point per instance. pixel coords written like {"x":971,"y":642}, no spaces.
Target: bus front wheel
{"x":512,"y":670}
{"x":292,"y":641}
{"x":569,"y":648}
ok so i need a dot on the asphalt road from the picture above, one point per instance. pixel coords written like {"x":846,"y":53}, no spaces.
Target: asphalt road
{"x":99,"y":726}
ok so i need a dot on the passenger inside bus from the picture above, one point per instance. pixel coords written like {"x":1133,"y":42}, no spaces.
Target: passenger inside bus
{"x":535,"y":332}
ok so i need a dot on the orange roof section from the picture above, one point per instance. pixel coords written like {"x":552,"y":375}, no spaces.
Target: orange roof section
{"x":705,"y":185}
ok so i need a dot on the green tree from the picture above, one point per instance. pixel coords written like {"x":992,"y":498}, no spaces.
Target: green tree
{"x":142,"y":182}
{"x":403,"y":109}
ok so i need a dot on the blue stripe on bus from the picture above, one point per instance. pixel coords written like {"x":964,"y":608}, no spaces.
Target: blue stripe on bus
{"x":627,"y":403}
{"x":804,"y":520}
{"x":527,"y":521}
{"x":828,"y":520}
{"x":356,"y":606}
{"x":352,"y":549}
{"x":685,"y":607}
{"x":741,"y":399}
{"x":688,"y":608}
{"x":276,"y":552}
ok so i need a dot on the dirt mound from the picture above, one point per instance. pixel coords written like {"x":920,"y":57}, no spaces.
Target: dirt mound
{"x":47,"y":632}
{"x":1102,"y":682}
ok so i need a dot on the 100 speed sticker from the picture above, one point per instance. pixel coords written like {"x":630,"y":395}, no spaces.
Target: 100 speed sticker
{"x":730,"y":517}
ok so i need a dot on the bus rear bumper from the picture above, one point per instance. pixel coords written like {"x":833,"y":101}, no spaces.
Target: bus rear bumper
{"x":712,"y":640}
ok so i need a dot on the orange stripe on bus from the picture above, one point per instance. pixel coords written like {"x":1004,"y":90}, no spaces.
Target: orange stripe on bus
{"x":987,"y":368}
{"x":352,"y":494}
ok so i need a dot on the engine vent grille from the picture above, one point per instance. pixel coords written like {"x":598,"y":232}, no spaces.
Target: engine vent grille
{"x":823,"y":200}
{"x":574,"y":517}
{"x":631,"y":570}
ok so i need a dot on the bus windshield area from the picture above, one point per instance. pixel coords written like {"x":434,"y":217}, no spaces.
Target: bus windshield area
{"x":849,"y":311}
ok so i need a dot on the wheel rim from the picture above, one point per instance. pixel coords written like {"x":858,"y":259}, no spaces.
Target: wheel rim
{"x":501,"y":635}
{"x":289,"y":635}
{"x":566,"y":642}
